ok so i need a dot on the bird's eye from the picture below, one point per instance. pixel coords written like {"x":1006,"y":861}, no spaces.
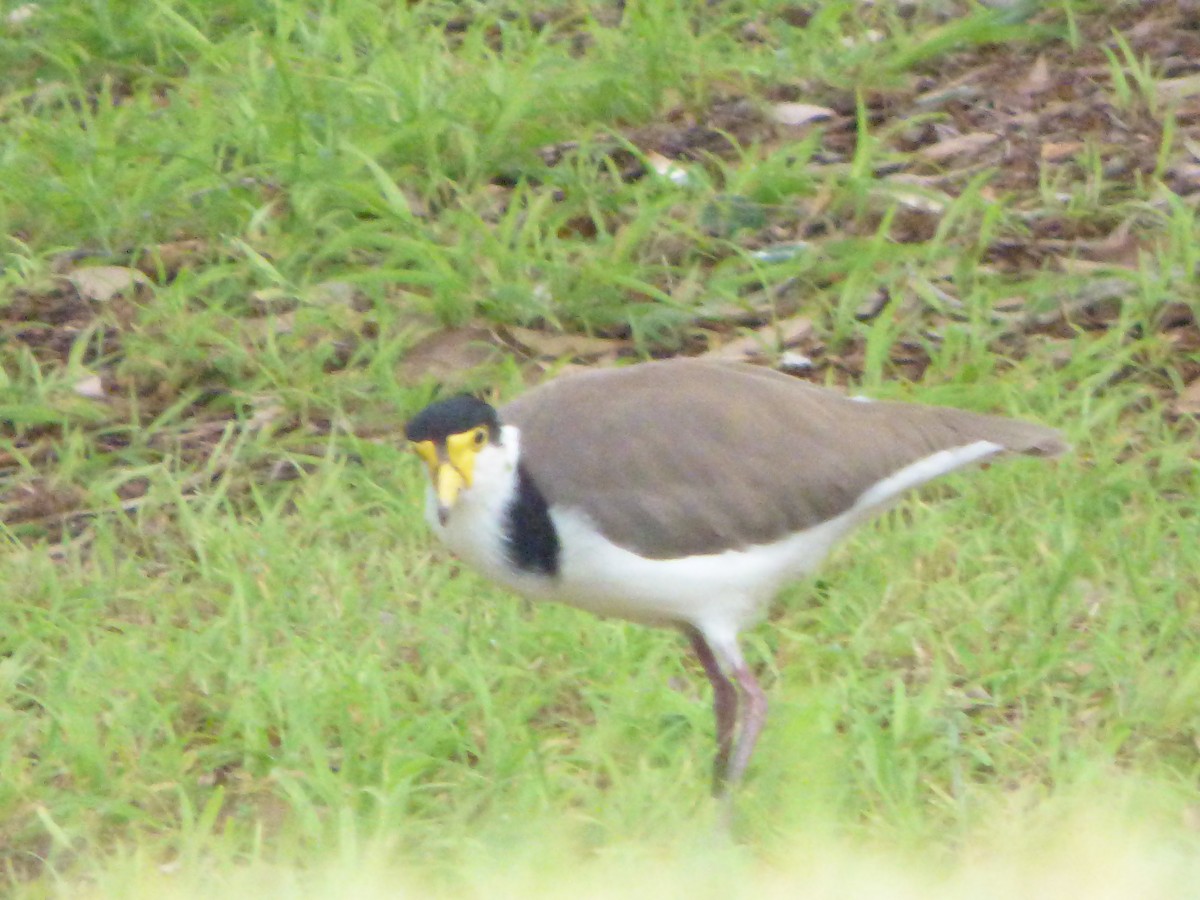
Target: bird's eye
{"x":480,"y":437}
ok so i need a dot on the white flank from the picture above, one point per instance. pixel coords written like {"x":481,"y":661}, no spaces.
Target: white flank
{"x":883,"y":492}
{"x":718,"y":593}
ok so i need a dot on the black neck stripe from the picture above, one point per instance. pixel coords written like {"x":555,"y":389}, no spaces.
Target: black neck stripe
{"x":530,"y":537}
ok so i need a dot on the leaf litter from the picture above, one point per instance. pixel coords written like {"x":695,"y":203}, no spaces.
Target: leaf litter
{"x":1016,"y":116}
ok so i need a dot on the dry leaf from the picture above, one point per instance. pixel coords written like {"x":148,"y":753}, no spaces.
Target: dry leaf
{"x":333,"y":293}
{"x":794,"y":330}
{"x":1057,"y":151}
{"x":579,"y":347}
{"x":764,"y":341}
{"x":102,"y":283}
{"x":872,"y":306}
{"x":1074,"y":265}
{"x":447,"y":355}
{"x":795,"y":114}
{"x":39,"y":500}
{"x":1010,"y":305}
{"x":668,"y":168}
{"x":922,"y":203}
{"x":272,"y":301}
{"x":1177,"y":88}
{"x":941,"y":96}
{"x":171,"y":257}
{"x":754,"y":309}
{"x":1038,"y":79}
{"x":740,"y":349}
{"x":269,"y":326}
{"x":1188,"y":401}
{"x":535,"y":373}
{"x":971,"y":142}
{"x":1186,"y":177}
{"x":1121,"y":249}
{"x":266,"y":409}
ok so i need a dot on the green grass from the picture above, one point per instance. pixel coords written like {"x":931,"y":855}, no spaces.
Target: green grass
{"x":231,"y":659}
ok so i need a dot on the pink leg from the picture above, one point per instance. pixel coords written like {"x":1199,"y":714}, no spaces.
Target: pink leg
{"x":725,"y":704}
{"x":753,"y":719}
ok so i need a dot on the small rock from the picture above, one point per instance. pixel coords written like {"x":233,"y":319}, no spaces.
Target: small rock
{"x":791,"y":361}
{"x":91,"y":387}
{"x":800,"y":113}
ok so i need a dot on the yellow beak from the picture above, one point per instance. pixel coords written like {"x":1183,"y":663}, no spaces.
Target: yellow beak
{"x":451,"y":466}
{"x":447,"y":482}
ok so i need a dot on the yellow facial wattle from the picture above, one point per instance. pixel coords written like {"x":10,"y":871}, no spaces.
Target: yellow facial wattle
{"x":461,"y":450}
{"x":451,"y":465}
{"x":428,"y":453}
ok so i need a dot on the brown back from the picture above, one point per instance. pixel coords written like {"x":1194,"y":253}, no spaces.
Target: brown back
{"x":683,"y":457}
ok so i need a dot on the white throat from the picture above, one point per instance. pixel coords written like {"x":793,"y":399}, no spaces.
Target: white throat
{"x":472,"y":529}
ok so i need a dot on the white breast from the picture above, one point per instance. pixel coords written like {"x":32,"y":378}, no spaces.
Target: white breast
{"x":732,"y":588}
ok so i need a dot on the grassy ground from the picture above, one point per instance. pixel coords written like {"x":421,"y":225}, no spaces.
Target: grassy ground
{"x":243,"y":241}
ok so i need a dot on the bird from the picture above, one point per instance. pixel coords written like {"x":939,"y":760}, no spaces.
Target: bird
{"x":684,"y":493}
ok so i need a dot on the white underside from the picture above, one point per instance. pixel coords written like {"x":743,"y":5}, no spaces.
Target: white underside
{"x":719,"y":594}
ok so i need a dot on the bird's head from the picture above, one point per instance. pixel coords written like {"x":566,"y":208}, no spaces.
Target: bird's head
{"x":448,"y":436}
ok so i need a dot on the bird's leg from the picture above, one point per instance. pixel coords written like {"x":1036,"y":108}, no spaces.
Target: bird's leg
{"x":753,"y":719}
{"x":725,"y":704}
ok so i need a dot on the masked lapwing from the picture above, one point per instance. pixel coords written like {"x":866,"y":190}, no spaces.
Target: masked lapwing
{"x":684,"y":493}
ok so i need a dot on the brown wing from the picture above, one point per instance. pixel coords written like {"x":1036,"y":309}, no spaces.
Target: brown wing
{"x":682,"y":457}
